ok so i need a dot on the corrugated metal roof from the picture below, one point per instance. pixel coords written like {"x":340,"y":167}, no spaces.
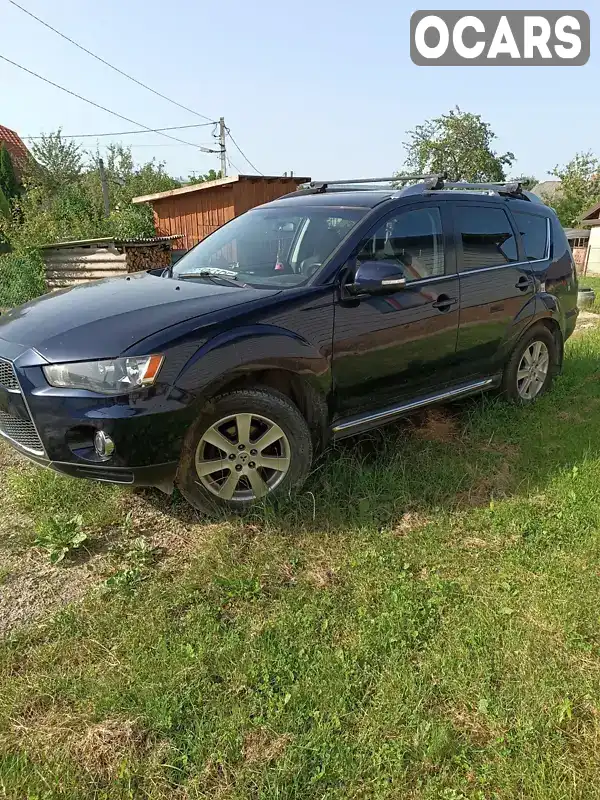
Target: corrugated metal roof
{"x":108,"y":240}
{"x":577,"y":233}
{"x":198,"y":187}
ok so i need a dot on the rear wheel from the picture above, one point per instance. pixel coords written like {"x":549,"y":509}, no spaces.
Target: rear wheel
{"x":529,"y":371}
{"x":249,"y":444}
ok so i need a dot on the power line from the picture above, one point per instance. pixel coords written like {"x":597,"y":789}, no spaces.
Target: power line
{"x":103,"y":108}
{"x":98,"y":58}
{"x":125,"y":133}
{"x":233,"y":166}
{"x":241,"y":151}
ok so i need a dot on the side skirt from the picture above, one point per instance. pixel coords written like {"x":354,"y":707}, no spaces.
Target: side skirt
{"x":350,"y":426}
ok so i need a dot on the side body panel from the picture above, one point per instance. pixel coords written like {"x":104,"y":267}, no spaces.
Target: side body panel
{"x":497,"y":303}
{"x":394,"y":346}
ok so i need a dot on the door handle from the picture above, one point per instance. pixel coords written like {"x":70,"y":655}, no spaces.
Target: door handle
{"x":444,"y":303}
{"x":523,"y":283}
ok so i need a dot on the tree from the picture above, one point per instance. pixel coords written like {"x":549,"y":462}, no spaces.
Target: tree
{"x":4,"y":208}
{"x":579,"y":188}
{"x":9,"y":185}
{"x":211,"y":175}
{"x":64,"y":198}
{"x":458,"y":143}
{"x":56,"y":161}
{"x":527,"y":181}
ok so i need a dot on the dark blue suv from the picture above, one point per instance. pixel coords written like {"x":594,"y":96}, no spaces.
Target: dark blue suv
{"x":320,"y":315}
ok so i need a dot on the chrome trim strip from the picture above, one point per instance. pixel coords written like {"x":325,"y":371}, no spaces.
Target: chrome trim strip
{"x":432,"y":279}
{"x":20,"y":446}
{"x":391,"y":412}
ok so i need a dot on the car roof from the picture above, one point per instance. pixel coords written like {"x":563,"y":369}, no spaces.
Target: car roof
{"x":340,"y":199}
{"x":369,"y":198}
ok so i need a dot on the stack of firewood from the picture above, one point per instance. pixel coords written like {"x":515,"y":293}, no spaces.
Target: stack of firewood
{"x":151,"y":257}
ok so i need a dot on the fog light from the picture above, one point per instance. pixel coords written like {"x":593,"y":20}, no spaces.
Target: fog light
{"x":103,"y":445}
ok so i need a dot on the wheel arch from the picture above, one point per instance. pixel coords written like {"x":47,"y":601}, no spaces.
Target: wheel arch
{"x":306,"y":396}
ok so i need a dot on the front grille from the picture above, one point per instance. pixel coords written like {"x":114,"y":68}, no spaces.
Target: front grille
{"x":22,"y":432}
{"x":8,"y":379}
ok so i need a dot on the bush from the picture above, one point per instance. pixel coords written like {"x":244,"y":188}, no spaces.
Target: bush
{"x":21,"y":278}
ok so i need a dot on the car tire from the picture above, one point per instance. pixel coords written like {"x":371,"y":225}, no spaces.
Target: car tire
{"x":530,"y":369}
{"x":228,"y":436}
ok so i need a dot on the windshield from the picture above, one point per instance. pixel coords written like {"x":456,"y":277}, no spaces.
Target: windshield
{"x":271,"y":247}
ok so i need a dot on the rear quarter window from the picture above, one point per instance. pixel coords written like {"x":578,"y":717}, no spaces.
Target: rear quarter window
{"x":534,"y":234}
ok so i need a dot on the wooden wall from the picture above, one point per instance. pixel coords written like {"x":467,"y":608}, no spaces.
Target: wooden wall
{"x":250,"y":192}
{"x":196,"y":214}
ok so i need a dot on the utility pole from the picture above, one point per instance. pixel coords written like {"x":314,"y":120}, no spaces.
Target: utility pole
{"x":104,"y":187}
{"x":223,"y":147}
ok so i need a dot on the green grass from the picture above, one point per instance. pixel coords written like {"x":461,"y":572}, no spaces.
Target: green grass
{"x":421,"y":622}
{"x":592,"y":283}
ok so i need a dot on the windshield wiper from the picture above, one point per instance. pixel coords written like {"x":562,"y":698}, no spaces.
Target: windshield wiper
{"x":216,"y":277}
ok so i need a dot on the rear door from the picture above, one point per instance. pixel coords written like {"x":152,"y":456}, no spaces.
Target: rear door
{"x":396,"y":346}
{"x":496,"y":284}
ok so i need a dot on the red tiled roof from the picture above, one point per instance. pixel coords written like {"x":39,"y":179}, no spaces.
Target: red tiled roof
{"x":14,"y":144}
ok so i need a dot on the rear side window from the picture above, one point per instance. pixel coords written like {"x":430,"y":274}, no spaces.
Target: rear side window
{"x":534,"y":232}
{"x":488,"y":239}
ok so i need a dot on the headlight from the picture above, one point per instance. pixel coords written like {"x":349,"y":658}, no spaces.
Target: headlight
{"x":116,"y":376}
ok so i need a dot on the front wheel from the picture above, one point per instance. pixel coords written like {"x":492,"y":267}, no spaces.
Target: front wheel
{"x":529,"y":371}
{"x":247,"y":445}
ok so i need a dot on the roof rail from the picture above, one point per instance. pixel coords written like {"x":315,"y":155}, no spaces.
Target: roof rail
{"x":347,"y":184}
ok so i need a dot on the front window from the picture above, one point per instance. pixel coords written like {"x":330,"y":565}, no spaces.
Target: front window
{"x":271,"y":247}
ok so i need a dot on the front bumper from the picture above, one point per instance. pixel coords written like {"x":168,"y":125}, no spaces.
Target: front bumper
{"x":55,"y":428}
{"x":162,"y":476}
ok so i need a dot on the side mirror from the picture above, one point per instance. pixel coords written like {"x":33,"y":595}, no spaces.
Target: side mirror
{"x":376,"y":277}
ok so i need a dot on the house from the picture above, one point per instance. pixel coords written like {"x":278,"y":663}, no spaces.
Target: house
{"x":547,"y":190}
{"x":578,"y":239}
{"x":19,"y":154}
{"x":591,"y":219}
{"x":196,"y":210}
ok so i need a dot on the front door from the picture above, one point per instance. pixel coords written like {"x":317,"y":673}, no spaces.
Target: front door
{"x":496,"y":286}
{"x":391,"y":347}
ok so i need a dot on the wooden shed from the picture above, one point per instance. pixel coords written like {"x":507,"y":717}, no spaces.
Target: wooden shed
{"x":199,"y":209}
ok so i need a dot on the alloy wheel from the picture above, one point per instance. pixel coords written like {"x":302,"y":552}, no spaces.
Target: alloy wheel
{"x":242,"y":457}
{"x":533,"y":370}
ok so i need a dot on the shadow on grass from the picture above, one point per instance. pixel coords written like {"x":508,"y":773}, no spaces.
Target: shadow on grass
{"x":442,"y":459}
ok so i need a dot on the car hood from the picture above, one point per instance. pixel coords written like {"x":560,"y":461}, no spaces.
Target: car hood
{"x":104,"y":318}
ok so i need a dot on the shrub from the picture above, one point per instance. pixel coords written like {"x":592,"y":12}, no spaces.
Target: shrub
{"x":21,"y":277}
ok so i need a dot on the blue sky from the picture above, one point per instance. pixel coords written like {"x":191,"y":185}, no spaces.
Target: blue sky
{"x":324,"y":88}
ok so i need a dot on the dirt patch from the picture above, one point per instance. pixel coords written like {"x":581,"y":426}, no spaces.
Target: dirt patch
{"x":486,"y":488}
{"x":409,"y":522}
{"x":586,"y":321}
{"x":321,"y":576}
{"x":99,"y":748}
{"x":434,"y":425}
{"x":262,"y":746}
{"x":501,"y":448}
{"x":472,"y":724}
{"x":474,"y":543}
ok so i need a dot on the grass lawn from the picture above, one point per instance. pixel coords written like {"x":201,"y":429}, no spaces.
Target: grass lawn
{"x":422,"y":621}
{"x":591,"y":283}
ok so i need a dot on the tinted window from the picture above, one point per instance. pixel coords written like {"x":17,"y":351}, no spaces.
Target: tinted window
{"x":534,"y":232}
{"x":278,"y":246}
{"x":487,"y":237}
{"x":412,"y":240}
